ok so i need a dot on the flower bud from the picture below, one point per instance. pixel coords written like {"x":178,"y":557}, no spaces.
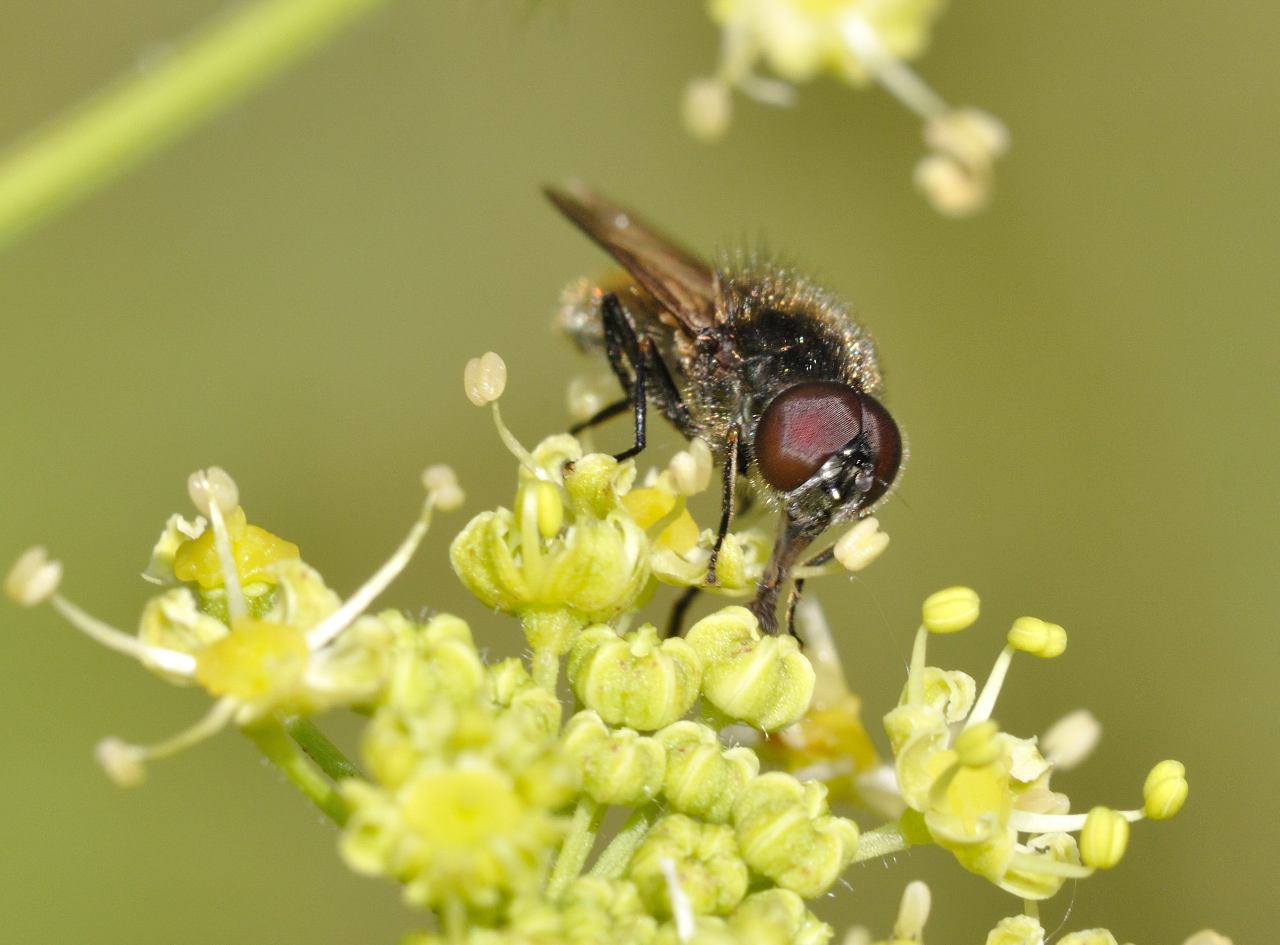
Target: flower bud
{"x":637,"y":680}
{"x":618,"y":767}
{"x":861,"y":545}
{"x":913,"y":911}
{"x":1165,"y":790}
{"x":1088,"y":937}
{"x":1104,"y":838}
{"x":1016,"y":930}
{"x":1207,"y":937}
{"x":950,"y":610}
{"x":33,"y":579}
{"x":1038,"y":637}
{"x":786,"y":834}
{"x":593,"y":909}
{"x":485,"y":378}
{"x":707,"y":866}
{"x":777,"y":915}
{"x":764,"y":681}
{"x":703,"y":778}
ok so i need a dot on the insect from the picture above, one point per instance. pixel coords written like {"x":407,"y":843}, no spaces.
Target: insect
{"x":769,"y":370}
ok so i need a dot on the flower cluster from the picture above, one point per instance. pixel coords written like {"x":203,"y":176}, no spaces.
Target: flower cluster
{"x":485,"y":795}
{"x":857,"y":42}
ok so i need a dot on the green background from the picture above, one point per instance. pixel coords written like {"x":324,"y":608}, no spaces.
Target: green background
{"x":1086,"y":374}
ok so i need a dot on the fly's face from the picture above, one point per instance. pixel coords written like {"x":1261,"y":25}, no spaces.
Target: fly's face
{"x":832,"y":451}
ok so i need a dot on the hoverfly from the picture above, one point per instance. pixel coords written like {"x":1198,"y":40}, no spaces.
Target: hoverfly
{"x":769,"y":370}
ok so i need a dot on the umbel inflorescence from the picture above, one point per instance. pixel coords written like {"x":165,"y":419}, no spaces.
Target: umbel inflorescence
{"x":483,"y":788}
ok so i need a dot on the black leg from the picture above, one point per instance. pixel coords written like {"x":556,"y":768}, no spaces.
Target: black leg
{"x":791,"y":543}
{"x":728,"y":485}
{"x":639,"y":368}
{"x":600,"y":416}
{"x":796,"y":589}
{"x":675,"y":622}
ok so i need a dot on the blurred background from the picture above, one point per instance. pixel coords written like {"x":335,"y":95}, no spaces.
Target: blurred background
{"x":1086,"y":373}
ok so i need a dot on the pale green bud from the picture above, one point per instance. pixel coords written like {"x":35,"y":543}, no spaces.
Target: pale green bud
{"x":1088,"y":937}
{"x":707,"y":930}
{"x":785,"y":833}
{"x":506,"y":679}
{"x":618,"y":767}
{"x":637,"y":680}
{"x":762,"y":680}
{"x":174,"y":621}
{"x":595,"y":910}
{"x":438,"y":658}
{"x":707,"y":866}
{"x":1016,"y":930}
{"x":778,"y":914}
{"x":596,"y":483}
{"x":703,"y":777}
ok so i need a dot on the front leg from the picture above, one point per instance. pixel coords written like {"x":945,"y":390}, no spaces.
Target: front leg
{"x":728,"y":485}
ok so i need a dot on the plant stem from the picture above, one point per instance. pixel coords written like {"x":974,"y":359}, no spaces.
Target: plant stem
{"x":453,"y":921}
{"x":319,"y":749}
{"x":546,"y":668}
{"x":881,"y":841}
{"x":577,"y":845}
{"x":281,"y":751}
{"x":617,"y":854}
{"x":116,"y":129}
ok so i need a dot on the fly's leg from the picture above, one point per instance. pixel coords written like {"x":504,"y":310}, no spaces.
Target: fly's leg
{"x":728,"y":486}
{"x":601,"y":415}
{"x":639,"y":368}
{"x":675,"y":621}
{"x":792,"y":601}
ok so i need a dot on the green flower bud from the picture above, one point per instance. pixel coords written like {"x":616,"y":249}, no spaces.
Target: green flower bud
{"x":595,"y":910}
{"x":703,"y":777}
{"x":786,"y":834}
{"x":618,"y":767}
{"x":438,"y":658}
{"x":506,"y":679}
{"x":1016,"y":930}
{"x":1088,"y":937}
{"x":638,"y":680}
{"x":764,"y":681}
{"x":778,"y":915}
{"x":706,"y":860}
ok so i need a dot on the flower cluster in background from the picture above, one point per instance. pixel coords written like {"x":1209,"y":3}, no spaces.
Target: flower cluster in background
{"x":485,"y":789}
{"x":857,"y":42}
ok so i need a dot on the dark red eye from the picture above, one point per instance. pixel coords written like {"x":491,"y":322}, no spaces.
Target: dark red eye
{"x":805,"y":425}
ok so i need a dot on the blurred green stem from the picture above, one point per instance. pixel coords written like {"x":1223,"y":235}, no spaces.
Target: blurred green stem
{"x":121,"y":126}
{"x":278,"y":748}
{"x":319,"y":749}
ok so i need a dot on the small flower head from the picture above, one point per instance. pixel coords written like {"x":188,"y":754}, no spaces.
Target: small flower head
{"x":33,"y":579}
{"x":636,"y":680}
{"x":765,"y":681}
{"x":703,"y":778}
{"x":706,"y":862}
{"x":618,"y":767}
{"x":786,"y":833}
{"x":1016,"y":930}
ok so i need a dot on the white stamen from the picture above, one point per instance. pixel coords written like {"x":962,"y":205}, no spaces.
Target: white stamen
{"x":236,"y":607}
{"x":892,"y":73}
{"x":442,"y":487}
{"x":830,"y":685}
{"x":213,"y":486}
{"x":681,"y":908}
{"x":515,"y":447}
{"x":857,"y":935}
{"x":329,"y":628}
{"x":124,"y":764}
{"x":915,"y":675}
{"x":913,"y":912}
{"x":691,"y":469}
{"x":1207,"y":937}
{"x":707,"y":108}
{"x":485,"y":378}
{"x":1071,"y":739}
{"x":986,"y":702}
{"x":33,"y":579}
{"x":171,"y":661}
{"x":861,"y":545}
{"x":1025,"y":821}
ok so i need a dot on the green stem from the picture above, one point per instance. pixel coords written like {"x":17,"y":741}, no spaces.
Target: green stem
{"x":281,"y":751}
{"x":577,"y":845}
{"x":546,"y":668}
{"x":880,"y":842}
{"x":319,"y":749}
{"x":121,"y":126}
{"x":617,"y":854}
{"x":453,"y":919}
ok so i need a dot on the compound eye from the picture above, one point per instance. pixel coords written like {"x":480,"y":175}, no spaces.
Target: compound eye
{"x":803,"y":427}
